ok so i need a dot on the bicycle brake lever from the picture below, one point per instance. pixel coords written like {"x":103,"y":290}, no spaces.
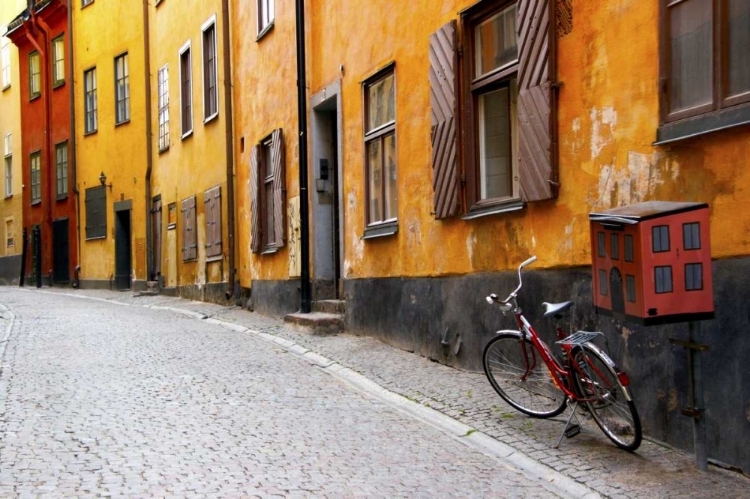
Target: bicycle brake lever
{"x":491,"y":299}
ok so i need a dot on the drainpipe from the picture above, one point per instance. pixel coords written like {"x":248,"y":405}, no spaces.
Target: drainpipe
{"x":72,"y":155}
{"x":228,"y":140}
{"x":149,"y":152}
{"x":302,"y":123}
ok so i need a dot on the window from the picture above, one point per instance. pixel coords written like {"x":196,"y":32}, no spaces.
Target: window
{"x":89,"y":90}
{"x":58,"y":61}
{"x":630,"y":287}
{"x":693,"y":276}
{"x":268,"y":194}
{"x":691,"y":236}
{"x":601,"y":249}
{"x":84,"y":3}
{"x":380,"y":150}
{"x":705,"y":62}
{"x":163,"y":89}
{"x":9,"y":236}
{"x":603,"y":282}
{"x":614,"y":240}
{"x":96,"y":212}
{"x":629,"y":248}
{"x":8,"y":164}
{"x":4,"y":59}
{"x":35,"y":76}
{"x":663,"y":278}
{"x":265,"y":16}
{"x":186,"y":90}
{"x":189,"y":232}
{"x":210,"y":94}
{"x":660,"y":238}
{"x":61,"y":167}
{"x":171,"y":216}
{"x":212,"y":202}
{"x":122,"y":89}
{"x":36,"y":177}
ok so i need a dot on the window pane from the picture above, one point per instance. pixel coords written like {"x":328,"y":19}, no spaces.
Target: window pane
{"x":374,"y":162}
{"x":380,"y":103}
{"x":691,"y":75}
{"x":615,"y":246}
{"x":269,"y":213}
{"x":628,"y":248}
{"x":391,"y":188}
{"x":630,"y":287}
{"x":494,"y":144}
{"x":739,"y":41}
{"x":603,"y":282}
{"x":601,"y":248}
{"x":496,"y":41}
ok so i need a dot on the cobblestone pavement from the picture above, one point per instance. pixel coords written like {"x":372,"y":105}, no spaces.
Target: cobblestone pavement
{"x":655,"y":470}
{"x":98,"y":399}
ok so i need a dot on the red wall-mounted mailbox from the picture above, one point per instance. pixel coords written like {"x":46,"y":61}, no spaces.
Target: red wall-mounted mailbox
{"x":652,"y":262}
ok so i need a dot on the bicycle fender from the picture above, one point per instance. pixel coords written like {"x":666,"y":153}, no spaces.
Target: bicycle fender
{"x":611,"y":364}
{"x":514,"y":332}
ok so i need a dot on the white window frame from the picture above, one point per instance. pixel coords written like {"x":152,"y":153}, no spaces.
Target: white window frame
{"x":186,"y":48}
{"x":211,"y":22}
{"x":125,"y":98}
{"x":90,"y":109}
{"x":61,"y":170}
{"x":266,"y":16}
{"x":8,"y":164}
{"x":4,"y":59}
{"x":58,"y":61}
{"x":163,"y":91}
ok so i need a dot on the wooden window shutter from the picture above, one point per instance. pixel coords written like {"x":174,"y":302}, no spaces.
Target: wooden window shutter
{"x":193,"y":248}
{"x":213,"y":222}
{"x":443,"y":112}
{"x":255,"y":236}
{"x":279,"y":186}
{"x":185,"y":223}
{"x":208,"y":203}
{"x":189,"y":236}
{"x":536,"y":100}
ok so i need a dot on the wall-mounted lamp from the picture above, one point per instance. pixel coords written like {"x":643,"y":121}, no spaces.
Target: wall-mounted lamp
{"x":103,"y":180}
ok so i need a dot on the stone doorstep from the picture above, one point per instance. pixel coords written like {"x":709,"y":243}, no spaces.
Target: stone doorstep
{"x":330,"y":306}
{"x":320,"y":323}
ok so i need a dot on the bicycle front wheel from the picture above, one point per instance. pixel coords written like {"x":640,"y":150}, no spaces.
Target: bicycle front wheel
{"x":519,"y":375}
{"x":606,"y":398}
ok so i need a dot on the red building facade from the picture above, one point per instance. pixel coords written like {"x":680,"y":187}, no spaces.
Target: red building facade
{"x":49,"y":213}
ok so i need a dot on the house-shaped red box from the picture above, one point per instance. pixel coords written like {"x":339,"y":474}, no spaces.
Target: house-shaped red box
{"x":652,"y":262}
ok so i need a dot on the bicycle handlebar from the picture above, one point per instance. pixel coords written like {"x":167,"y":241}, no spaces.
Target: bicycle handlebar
{"x":493,"y":297}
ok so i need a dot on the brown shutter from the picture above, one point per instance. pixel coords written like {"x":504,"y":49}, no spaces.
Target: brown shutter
{"x":191,"y":239}
{"x":536,"y":105}
{"x":213,"y":222}
{"x":255,"y":241}
{"x":217,"y":220}
{"x":185,"y":225}
{"x":443,"y":85}
{"x":208,"y":206}
{"x":279,"y":186}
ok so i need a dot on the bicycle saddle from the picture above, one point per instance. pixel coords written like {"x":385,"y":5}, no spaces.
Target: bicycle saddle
{"x":556,"y":309}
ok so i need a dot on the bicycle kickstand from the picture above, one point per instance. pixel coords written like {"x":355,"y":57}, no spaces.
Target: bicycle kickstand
{"x":570,"y":431}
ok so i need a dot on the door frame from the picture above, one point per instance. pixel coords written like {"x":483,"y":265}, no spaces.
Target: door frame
{"x":126,"y":207}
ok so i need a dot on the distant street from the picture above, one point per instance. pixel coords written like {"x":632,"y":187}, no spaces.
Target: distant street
{"x":102,"y":399}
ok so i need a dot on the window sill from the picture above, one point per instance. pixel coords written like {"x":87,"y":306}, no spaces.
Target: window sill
{"x":211,"y":118}
{"x":9,"y":196}
{"x":191,"y":260}
{"x":36,"y":203}
{"x":62,"y":197}
{"x":96,"y":238}
{"x":213,"y":259}
{"x":187,"y":134}
{"x":703,"y":124}
{"x":270,"y":250}
{"x":34,"y":97}
{"x":495,"y":209}
{"x":265,"y":31}
{"x":163,"y":150}
{"x":6,"y":87}
{"x":123,"y":122}
{"x":92,"y":132}
{"x":171,"y":226}
{"x":381,"y":230}
{"x":58,"y":84}
{"x":86,"y":5}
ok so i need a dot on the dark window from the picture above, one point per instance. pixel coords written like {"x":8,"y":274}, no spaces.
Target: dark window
{"x":603,"y":282}
{"x":189,"y":230}
{"x":691,"y":236}
{"x":89,"y":90}
{"x":630,"y":287}
{"x":265,"y":15}
{"x":61,"y":169}
{"x":210,"y":94}
{"x":186,"y":91}
{"x":268,"y":194}
{"x":601,"y":246}
{"x":36,"y":177}
{"x":614,"y":242}
{"x":660,"y":238}
{"x":705,"y":62}
{"x":693,"y":276}
{"x":212,"y":203}
{"x":628,"y":248}
{"x":663,"y":278}
{"x":35,"y":75}
{"x":58,"y":61}
{"x":96,"y":212}
{"x":380,"y":149}
{"x":122,"y":89}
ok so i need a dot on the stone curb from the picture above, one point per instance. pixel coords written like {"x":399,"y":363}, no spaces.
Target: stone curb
{"x":11,"y":319}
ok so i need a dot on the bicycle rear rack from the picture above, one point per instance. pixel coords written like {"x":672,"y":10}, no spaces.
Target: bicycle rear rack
{"x":579,"y":338}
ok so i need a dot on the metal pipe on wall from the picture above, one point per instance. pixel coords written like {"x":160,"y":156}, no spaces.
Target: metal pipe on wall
{"x":149,"y":153}
{"x":229,"y":143}
{"x":305,"y":299}
{"x":72,"y":155}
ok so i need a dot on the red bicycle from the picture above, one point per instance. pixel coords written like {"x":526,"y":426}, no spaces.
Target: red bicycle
{"x":524,"y":372}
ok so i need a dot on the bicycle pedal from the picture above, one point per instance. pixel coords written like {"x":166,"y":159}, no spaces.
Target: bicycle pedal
{"x":572,"y":430}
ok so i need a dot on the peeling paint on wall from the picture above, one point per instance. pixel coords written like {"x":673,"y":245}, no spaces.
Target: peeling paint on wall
{"x":635,"y":183}
{"x":602,"y":129}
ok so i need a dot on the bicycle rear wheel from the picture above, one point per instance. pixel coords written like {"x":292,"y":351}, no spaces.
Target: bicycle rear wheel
{"x":606,"y":398}
{"x":531,"y":391}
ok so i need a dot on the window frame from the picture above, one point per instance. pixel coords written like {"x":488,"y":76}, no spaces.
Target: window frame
{"x":186,"y":90}
{"x":266,"y":11}
{"x":62,"y":167}
{"x":86,"y":3}
{"x":8,"y":164}
{"x":122,"y":115}
{"x":6,"y":76}
{"x":266,"y":178}
{"x":35,"y":77}
{"x":162,"y":86}
{"x":58,"y":73}
{"x":384,"y":226}
{"x":90,"y":105}
{"x":210,"y":101}
{"x":35,"y":177}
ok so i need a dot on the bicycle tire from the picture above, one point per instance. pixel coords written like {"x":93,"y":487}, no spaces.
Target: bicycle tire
{"x":536,"y":395}
{"x":606,"y":398}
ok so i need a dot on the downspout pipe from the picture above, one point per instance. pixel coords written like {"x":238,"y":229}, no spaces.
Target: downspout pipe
{"x":72,"y":156}
{"x":305,"y":299}
{"x":149,"y":152}
{"x":229,"y":142}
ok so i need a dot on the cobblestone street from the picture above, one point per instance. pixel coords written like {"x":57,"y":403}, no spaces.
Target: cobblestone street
{"x":104,"y":399}
{"x":107,"y":392}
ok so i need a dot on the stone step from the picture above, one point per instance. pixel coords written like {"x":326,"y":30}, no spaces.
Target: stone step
{"x":320,"y":323}
{"x":329,"y":306}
